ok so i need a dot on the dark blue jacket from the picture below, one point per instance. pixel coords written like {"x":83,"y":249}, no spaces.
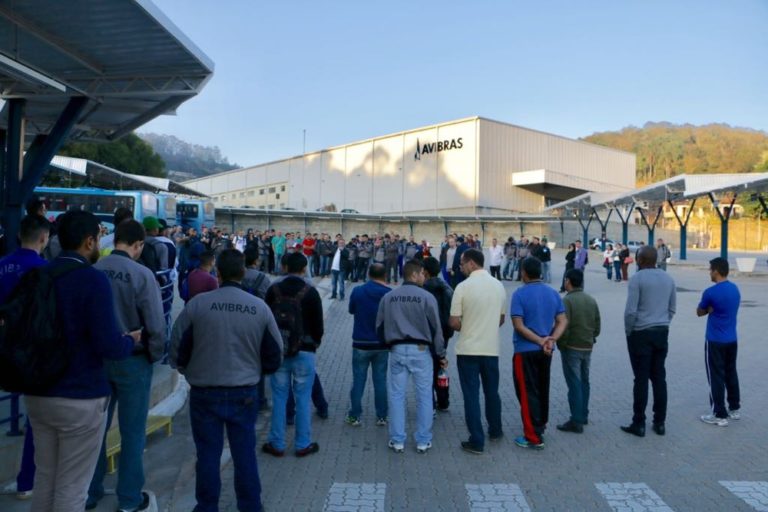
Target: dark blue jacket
{"x":84,"y":303}
{"x":364,"y":304}
{"x":13,"y":266}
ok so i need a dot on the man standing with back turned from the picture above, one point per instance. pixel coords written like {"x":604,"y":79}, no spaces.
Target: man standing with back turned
{"x":651,"y":304}
{"x":408,"y":321}
{"x":477,"y":312}
{"x":720,"y":304}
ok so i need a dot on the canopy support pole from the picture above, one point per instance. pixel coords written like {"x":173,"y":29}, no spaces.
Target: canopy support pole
{"x":724,"y":218}
{"x":683,"y":228}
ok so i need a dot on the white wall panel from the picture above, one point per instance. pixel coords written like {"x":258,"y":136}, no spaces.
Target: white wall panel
{"x":420,"y":187}
{"x":332,"y":178}
{"x":313,"y":169}
{"x":359,"y":177}
{"x":388,"y":175}
{"x":456,"y":186}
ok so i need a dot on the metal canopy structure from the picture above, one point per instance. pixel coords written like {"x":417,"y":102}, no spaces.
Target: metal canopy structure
{"x":102,"y":176}
{"x":649,"y":201}
{"x":85,"y":69}
{"x":585,"y":208}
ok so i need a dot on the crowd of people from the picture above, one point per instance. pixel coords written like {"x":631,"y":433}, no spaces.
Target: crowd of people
{"x":253,"y":314}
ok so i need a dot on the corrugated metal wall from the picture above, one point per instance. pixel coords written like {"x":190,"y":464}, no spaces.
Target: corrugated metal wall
{"x":505,"y":149}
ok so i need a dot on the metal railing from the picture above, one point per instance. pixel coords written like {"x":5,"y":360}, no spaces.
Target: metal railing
{"x":166,"y":281}
{"x":15,"y":416}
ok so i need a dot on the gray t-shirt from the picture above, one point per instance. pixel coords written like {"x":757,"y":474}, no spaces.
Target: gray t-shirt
{"x":651,"y":300}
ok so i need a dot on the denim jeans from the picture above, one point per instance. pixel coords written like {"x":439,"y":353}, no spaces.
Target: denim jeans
{"x":546,"y":274}
{"x":473,"y":370}
{"x":361,"y":359}
{"x":405,"y":361}
{"x":509,"y":269}
{"x":25,"y":480}
{"x":362,"y":269}
{"x":131,"y":381}
{"x":647,"y":353}
{"x":298,"y":371}
{"x":337,"y":281}
{"x":318,"y":400}
{"x":211,"y":410}
{"x":325,"y":265}
{"x":576,"y":372}
{"x":609,"y":271}
{"x":617,"y":270}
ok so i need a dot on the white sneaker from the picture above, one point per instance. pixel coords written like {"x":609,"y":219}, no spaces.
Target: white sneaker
{"x":396,"y":447}
{"x":422,"y":448}
{"x":148,"y":504}
{"x":24,"y":495}
{"x":711,"y":419}
{"x":734,"y":415}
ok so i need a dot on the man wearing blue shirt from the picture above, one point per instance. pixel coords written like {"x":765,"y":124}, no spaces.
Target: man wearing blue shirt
{"x":34,"y":231}
{"x":720,"y":304}
{"x":538,"y":316}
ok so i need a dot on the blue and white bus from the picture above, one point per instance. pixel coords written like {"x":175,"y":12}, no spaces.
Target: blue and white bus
{"x":167,"y":208}
{"x":101,"y":203}
{"x":195,"y":213}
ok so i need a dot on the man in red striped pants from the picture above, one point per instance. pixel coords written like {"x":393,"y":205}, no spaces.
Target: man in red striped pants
{"x":538,"y":316}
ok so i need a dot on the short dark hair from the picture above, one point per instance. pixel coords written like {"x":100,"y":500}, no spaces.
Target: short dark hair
{"x":129,"y":232}
{"x":32,"y":226}
{"x":377,"y":271}
{"x":251,"y":256}
{"x":432,"y":266}
{"x":475,"y":256}
{"x":121,"y":214}
{"x":75,"y":227}
{"x":412,"y":267}
{"x":231,"y":265}
{"x":576,"y":277}
{"x":295,"y":263}
{"x":34,"y":205}
{"x":207,"y":257}
{"x":720,"y":265}
{"x":532,"y":267}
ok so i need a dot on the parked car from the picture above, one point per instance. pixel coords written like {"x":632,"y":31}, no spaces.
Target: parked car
{"x":634,"y":245}
{"x":349,"y":210}
{"x":597,"y":243}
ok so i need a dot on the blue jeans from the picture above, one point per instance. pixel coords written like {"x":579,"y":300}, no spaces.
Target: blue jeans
{"x":325,"y":265}
{"x":318,"y":400}
{"x":617,"y":270}
{"x":576,"y":372}
{"x":131,"y":381}
{"x":298,"y":371}
{"x":337,"y":279}
{"x":361,"y":359}
{"x":25,"y":480}
{"x":473,"y":370}
{"x":546,"y":275}
{"x":211,"y":410}
{"x":416,"y":361}
{"x":509,"y":269}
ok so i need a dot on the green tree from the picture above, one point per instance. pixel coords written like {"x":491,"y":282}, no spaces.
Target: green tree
{"x":128,"y":154}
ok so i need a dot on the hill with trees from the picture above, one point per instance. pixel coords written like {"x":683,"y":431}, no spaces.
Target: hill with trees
{"x":186,"y":161}
{"x":665,"y":150}
{"x":128,"y":154}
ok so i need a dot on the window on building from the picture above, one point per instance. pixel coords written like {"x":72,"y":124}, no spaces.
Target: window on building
{"x":242,"y":194}
{"x":277,"y":196}
{"x":272,"y":190}
{"x":261,"y":192}
{"x":251,"y":193}
{"x":234,"y":196}
{"x":261,"y":207}
{"x":270,"y":206}
{"x":282,"y":188}
{"x":282,"y":205}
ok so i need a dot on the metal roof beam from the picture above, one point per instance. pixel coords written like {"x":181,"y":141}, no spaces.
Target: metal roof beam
{"x":51,"y":40}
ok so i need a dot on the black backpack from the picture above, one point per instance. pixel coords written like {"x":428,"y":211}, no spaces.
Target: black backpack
{"x":34,"y":354}
{"x":289,"y":318}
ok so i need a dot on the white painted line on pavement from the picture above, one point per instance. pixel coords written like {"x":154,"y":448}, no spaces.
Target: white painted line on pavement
{"x":506,"y":497}
{"x":631,"y":496}
{"x":349,"y":497}
{"x":754,"y":493}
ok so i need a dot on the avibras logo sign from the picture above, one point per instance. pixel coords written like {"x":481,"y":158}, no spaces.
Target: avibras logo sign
{"x":436,"y":147}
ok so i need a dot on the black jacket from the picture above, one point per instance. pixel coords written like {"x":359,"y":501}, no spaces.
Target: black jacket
{"x":444,"y":294}
{"x":311,"y":308}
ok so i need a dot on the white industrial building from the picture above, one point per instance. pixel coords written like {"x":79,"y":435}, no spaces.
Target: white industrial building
{"x":468,"y":166}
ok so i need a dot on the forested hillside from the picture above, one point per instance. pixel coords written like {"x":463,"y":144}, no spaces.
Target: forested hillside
{"x":664,"y":150}
{"x":184,"y":160}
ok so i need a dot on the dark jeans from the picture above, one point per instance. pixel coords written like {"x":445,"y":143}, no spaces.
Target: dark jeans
{"x":390,"y":267}
{"x":496,"y":272}
{"x":617,"y":270}
{"x":211,"y":411}
{"x":362,"y":268}
{"x":318,"y":400}
{"x":531,"y":374}
{"x":472,"y":370}
{"x":576,"y":372}
{"x":647,"y":353}
{"x":720,"y":359}
{"x":25,"y":480}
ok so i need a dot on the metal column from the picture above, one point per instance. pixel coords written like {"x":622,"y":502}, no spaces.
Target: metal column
{"x":13,"y":168}
{"x":683,"y":228}
{"x":651,"y":228}
{"x":585,"y":229}
{"x":625,"y":222}
{"x":603,"y":226}
{"x":723,"y":223}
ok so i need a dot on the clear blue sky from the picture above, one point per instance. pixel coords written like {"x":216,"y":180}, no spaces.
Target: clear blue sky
{"x":351,"y":70}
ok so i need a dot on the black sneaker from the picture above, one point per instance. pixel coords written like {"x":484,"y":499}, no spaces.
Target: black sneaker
{"x":471,"y":448}
{"x":309,"y":450}
{"x":268,"y":448}
{"x":570,"y":426}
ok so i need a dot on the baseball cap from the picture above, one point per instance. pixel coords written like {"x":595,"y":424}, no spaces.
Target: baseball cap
{"x":151,"y":223}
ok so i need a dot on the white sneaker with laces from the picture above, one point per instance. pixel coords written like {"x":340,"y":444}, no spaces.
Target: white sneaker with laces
{"x":148,"y":504}
{"x":423,"y":448}
{"x":734,"y":415}
{"x":396,"y":447}
{"x":711,"y":419}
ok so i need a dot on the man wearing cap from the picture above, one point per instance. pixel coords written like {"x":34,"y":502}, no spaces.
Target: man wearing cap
{"x":152,"y":226}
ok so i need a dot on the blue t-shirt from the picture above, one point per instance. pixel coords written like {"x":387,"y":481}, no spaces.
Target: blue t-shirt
{"x":724,"y":298}
{"x":13,"y":266}
{"x":538,"y":305}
